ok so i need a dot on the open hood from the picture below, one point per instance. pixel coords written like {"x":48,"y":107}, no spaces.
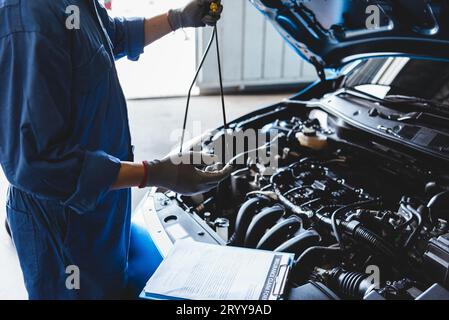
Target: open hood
{"x":330,"y":33}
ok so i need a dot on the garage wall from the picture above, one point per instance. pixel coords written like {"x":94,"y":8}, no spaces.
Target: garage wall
{"x":167,"y":66}
{"x":252,"y":52}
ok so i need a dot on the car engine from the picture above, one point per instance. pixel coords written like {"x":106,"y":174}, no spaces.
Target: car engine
{"x":364,"y":219}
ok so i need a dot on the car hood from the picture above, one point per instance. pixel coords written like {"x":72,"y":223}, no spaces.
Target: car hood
{"x":331,"y":33}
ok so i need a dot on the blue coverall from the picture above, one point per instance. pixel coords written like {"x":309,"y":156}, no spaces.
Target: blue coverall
{"x":63,"y":132}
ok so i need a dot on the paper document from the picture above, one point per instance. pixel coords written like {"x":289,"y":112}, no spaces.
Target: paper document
{"x":200,"y":271}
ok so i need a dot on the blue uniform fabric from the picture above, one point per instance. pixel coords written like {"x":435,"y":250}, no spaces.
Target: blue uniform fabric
{"x":63,"y":132}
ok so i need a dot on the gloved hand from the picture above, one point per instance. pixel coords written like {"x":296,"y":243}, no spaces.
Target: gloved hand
{"x":195,"y":14}
{"x":177,"y":173}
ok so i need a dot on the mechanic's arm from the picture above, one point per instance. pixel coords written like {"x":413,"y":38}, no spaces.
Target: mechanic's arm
{"x":175,"y":173}
{"x":129,"y":36}
{"x":156,"y":27}
{"x":130,"y":175}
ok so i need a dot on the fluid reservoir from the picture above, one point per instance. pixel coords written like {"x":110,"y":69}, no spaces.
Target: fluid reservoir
{"x":222,"y":228}
{"x":312,"y":139}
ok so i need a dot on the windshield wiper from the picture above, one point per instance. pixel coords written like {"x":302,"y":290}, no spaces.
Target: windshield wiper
{"x":422,"y":118}
{"x":404,"y":103}
{"x":426,"y":104}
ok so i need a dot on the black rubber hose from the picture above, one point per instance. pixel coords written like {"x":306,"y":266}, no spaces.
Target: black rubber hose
{"x":350,"y":284}
{"x":322,"y":218}
{"x":261,"y":222}
{"x":309,"y":259}
{"x":438,"y":205}
{"x":362,"y":234}
{"x":317,"y":250}
{"x":246,"y":212}
{"x":368,"y":237}
{"x":300,"y":243}
{"x":279,"y":233}
{"x":343,"y":210}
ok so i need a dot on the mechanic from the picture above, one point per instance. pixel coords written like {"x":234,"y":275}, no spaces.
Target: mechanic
{"x":65,"y":144}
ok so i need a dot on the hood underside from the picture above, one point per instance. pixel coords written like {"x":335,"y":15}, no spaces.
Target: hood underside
{"x":331,"y":33}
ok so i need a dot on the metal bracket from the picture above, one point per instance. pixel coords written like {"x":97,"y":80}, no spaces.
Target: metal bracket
{"x":319,"y":69}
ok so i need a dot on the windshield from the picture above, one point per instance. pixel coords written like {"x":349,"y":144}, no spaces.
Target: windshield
{"x":383,"y":77}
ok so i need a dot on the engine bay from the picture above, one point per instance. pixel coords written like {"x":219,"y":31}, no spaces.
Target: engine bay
{"x":364,"y":219}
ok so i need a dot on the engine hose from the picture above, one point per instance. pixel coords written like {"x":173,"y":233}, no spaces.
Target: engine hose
{"x":261,"y":222}
{"x":300,"y":243}
{"x":437,"y":205}
{"x":349,"y":284}
{"x":366,"y":236}
{"x":309,"y":259}
{"x":420,"y":223}
{"x":322,"y":218}
{"x":246,"y":212}
{"x":343,"y":210}
{"x":362,"y":234}
{"x":279,"y":233}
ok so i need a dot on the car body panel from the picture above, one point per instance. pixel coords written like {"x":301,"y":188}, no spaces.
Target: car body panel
{"x":330,"y":34}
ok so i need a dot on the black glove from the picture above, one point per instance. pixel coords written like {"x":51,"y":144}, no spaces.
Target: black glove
{"x":196,"y":13}
{"x":177,"y":173}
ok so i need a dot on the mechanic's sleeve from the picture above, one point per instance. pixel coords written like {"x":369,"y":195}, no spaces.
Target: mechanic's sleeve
{"x":35,"y":112}
{"x":127,"y":34}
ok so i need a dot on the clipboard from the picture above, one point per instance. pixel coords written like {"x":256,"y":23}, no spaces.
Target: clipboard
{"x":201,"y":271}
{"x":279,"y":279}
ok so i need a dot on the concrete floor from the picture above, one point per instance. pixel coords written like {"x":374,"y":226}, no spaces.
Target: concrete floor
{"x":153,"y":122}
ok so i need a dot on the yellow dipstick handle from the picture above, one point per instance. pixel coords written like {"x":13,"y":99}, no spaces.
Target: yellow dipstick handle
{"x":213,"y":7}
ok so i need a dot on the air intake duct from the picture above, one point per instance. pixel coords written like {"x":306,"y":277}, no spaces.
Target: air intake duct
{"x":351,"y":285}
